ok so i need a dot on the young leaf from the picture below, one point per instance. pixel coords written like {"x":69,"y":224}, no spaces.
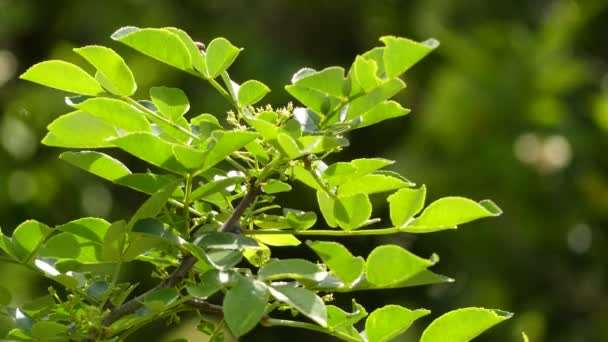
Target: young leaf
{"x":448,"y":212}
{"x":380,"y":112}
{"x":326,"y":205}
{"x":300,"y":220}
{"x":92,"y":132}
{"x":113,"y":68}
{"x":366,"y":73}
{"x":90,"y":228}
{"x":371,"y":184}
{"x":278,"y":240}
{"x":337,"y":317}
{"x":390,"y":264}
{"x":220,"y":55}
{"x":363,"y":104}
{"x":316,"y":100}
{"x":252,"y":292}
{"x":63,"y":76}
{"x":303,"y":300}
{"x":275,"y":186}
{"x":251,"y":92}
{"x":171,"y":102}
{"x":114,"y":242}
{"x":390,"y":321}
{"x":339,"y":173}
{"x":97,"y":163}
{"x":406,"y":203}
{"x":463,"y":324}
{"x":74,"y":247}
{"x":339,"y":260}
{"x":28,"y":237}
{"x":400,"y":53}
{"x":329,"y":81}
{"x":116,"y":113}
{"x":151,"y":149}
{"x":159,"y":44}
{"x":198,"y":59}
{"x":353,"y":211}
{"x":225,"y":144}
{"x":158,"y":300}
{"x":48,"y":330}
{"x":368,"y":165}
{"x":298,"y":269}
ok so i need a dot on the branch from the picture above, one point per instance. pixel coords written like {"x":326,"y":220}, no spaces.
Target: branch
{"x":188,"y":261}
{"x":206,"y":307}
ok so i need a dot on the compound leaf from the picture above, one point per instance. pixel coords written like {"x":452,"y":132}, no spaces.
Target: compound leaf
{"x":63,"y":76}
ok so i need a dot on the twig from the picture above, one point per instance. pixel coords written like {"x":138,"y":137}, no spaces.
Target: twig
{"x":231,"y":225}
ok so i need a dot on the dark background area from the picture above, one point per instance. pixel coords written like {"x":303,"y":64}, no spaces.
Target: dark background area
{"x":512,"y":106}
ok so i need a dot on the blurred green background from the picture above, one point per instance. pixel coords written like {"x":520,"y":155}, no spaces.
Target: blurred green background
{"x":513,"y":106}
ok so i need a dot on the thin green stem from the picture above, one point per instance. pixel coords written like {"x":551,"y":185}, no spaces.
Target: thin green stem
{"x":190,"y":209}
{"x":187,"y":192}
{"x":236,"y":165}
{"x":113,"y":282}
{"x":160,"y":118}
{"x":273,"y":322}
{"x":327,"y":232}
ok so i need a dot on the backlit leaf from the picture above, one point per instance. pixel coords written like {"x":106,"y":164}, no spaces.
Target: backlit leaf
{"x":391,"y":264}
{"x":298,"y":269}
{"x":390,"y":321}
{"x":400,"y":53}
{"x":151,"y":149}
{"x":339,"y":260}
{"x":353,"y":211}
{"x":406,"y":203}
{"x":63,"y":76}
{"x":303,"y":300}
{"x":463,"y":325}
{"x":97,"y":163}
{"x":171,"y":102}
{"x":220,"y":55}
{"x":116,"y":113}
{"x":251,"y":92}
{"x":113,"y":68}
{"x":92,"y":132}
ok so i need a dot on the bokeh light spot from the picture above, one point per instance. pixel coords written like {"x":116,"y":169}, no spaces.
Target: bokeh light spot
{"x":96,"y":200}
{"x":17,"y":138}
{"x":21,"y":187}
{"x":579,"y":238}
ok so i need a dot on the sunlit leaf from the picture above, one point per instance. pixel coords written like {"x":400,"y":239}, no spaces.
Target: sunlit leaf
{"x":371,"y":184}
{"x":463,"y":325}
{"x":391,"y":264}
{"x":117,"y":113}
{"x":406,"y":203}
{"x":97,"y":163}
{"x":275,"y":186}
{"x":298,"y":269}
{"x":92,"y":132}
{"x":171,"y":102}
{"x":303,"y":300}
{"x":159,"y":44}
{"x":113,"y":68}
{"x":220,"y":55}
{"x":400,"y":53}
{"x":28,"y":237}
{"x":352,"y":211}
{"x":63,"y":76}
{"x":151,"y":149}
{"x":390,"y":321}
{"x":252,"y":92}
{"x":339,"y":260}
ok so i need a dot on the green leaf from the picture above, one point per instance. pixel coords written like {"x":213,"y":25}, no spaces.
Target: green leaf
{"x":97,"y":163}
{"x":151,"y":149}
{"x":288,"y":146}
{"x":28,"y":237}
{"x":198,"y":60}
{"x":424,"y":277}
{"x":254,"y":294}
{"x":337,"y":317}
{"x":353,"y":211}
{"x":448,"y":212}
{"x":367,"y":102}
{"x":274,"y":186}
{"x":158,"y":300}
{"x":524,"y":337}
{"x":406,"y":203}
{"x":339,"y":173}
{"x":63,"y":76}
{"x":225,"y":144}
{"x":220,"y":55}
{"x":90,"y":228}
{"x":114,"y":241}
{"x":316,"y":100}
{"x":257,"y":256}
{"x":390,"y":321}
{"x":298,"y":269}
{"x":278,"y":240}
{"x":92,"y":132}
{"x":252,"y":92}
{"x":326,"y":205}
{"x":48,"y":330}
{"x":113,"y":68}
{"x":366,"y":73}
{"x":329,"y":81}
{"x":368,"y":165}
{"x":309,"y":120}
{"x":400,"y":54}
{"x":380,"y":112}
{"x":224,"y":259}
{"x":390,"y":264}
{"x":215,"y":187}
{"x":303,"y":300}
{"x":210,"y":283}
{"x":116,"y":113}
{"x":300,"y":220}
{"x":227,"y":241}
{"x":339,"y":260}
{"x":371,"y":184}
{"x":74,"y":247}
{"x":159,"y":44}
{"x":153,"y":205}
{"x":148,"y":183}
{"x":463,"y":324}
{"x":171,"y":102}
{"x":152,"y":228}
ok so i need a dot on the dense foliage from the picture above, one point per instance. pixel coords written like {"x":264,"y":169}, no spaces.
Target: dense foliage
{"x":213,"y":191}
